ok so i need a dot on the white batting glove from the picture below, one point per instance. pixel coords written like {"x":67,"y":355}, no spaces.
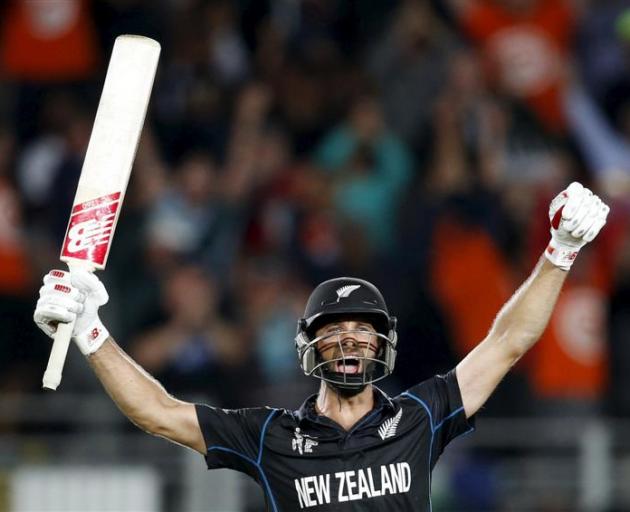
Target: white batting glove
{"x":576,"y":216}
{"x":66,"y":296}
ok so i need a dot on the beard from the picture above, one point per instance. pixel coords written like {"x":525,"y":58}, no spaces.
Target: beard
{"x":344,"y":392}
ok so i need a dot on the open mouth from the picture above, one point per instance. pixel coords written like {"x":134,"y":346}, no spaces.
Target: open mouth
{"x":349,"y":365}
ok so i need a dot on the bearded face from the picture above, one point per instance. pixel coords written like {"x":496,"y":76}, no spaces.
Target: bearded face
{"x":348,"y":346}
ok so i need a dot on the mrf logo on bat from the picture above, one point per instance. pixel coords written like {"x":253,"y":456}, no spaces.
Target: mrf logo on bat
{"x":90,"y":229}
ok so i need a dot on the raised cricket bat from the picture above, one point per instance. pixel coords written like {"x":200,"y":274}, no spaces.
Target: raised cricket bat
{"x":106,"y":169}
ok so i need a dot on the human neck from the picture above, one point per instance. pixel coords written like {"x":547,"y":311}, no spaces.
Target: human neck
{"x":345,"y":411}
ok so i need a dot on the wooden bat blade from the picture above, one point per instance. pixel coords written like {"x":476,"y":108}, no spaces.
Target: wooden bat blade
{"x":111,"y":150}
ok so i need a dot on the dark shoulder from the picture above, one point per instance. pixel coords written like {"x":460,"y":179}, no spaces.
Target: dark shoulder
{"x":429,"y":389}
{"x":250,"y":415}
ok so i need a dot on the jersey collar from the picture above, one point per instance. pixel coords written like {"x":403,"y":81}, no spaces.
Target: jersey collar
{"x":307,"y":411}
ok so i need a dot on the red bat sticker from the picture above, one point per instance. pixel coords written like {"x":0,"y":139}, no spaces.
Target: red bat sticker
{"x":90,"y":229}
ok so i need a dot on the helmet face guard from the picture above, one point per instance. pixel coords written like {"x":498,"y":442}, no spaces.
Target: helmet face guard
{"x":369,"y":358}
{"x":360,"y":357}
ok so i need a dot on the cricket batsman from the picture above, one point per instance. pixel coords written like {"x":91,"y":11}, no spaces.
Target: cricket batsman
{"x":350,"y":446}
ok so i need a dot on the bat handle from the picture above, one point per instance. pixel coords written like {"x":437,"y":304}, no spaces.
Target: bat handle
{"x":59,"y":350}
{"x":52,"y":375}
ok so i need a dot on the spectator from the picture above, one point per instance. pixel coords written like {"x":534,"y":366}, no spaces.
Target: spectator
{"x":42,"y":45}
{"x":370,"y":167}
{"x":269,"y":296}
{"x":525,"y":45}
{"x":44,"y":41}
{"x":195,"y":218}
{"x":409,"y":64}
{"x":618,"y":325}
{"x":601,"y":51}
{"x":229,"y":60}
{"x":19,"y":363}
{"x":50,"y":165}
{"x":195,"y":350}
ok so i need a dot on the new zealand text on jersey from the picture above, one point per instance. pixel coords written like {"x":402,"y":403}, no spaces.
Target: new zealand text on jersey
{"x":354,"y":485}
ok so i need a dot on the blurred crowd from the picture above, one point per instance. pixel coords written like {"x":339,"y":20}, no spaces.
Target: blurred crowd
{"x":414,"y":143}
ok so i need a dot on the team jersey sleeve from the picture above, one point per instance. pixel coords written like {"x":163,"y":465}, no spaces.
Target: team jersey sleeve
{"x":233,"y":436}
{"x":442,"y":400}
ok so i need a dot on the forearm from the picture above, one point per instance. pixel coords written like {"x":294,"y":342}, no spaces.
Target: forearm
{"x":136,"y":393}
{"x":523,"y":319}
{"x":517,"y":327}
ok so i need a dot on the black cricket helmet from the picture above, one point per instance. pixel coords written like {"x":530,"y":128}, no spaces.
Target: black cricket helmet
{"x":354,"y":366}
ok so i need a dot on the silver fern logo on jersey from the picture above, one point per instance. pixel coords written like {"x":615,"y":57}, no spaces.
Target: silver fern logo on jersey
{"x":388,"y":428}
{"x":345,"y":291}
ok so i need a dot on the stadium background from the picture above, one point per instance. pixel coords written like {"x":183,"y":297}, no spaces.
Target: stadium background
{"x":414,"y":143}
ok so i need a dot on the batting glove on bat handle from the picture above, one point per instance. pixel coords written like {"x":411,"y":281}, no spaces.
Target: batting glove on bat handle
{"x":576,"y":216}
{"x":72,"y":299}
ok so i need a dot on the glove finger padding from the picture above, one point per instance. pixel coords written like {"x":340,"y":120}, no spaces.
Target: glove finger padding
{"x":579,"y":214}
{"x":598,"y":224}
{"x":590,"y":209}
{"x":48,"y":315}
{"x":66,"y":291}
{"x":61,"y":302}
{"x":573,"y":195}
{"x":58,"y":302}
{"x":556,"y":209}
{"x":57,"y":276}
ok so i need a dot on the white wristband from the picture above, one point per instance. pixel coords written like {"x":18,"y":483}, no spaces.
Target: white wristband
{"x":91,"y":339}
{"x":561,"y":255}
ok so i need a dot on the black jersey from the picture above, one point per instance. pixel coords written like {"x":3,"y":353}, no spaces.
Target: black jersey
{"x":304,"y":461}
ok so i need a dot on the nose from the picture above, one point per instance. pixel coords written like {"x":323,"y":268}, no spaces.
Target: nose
{"x":349,"y":340}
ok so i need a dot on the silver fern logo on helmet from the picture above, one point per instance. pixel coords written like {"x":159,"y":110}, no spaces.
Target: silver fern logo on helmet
{"x":345,"y":291}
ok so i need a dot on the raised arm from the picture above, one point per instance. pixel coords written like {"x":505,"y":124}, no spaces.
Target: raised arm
{"x":576,"y":217}
{"x":138,"y":395}
{"x":143,"y":399}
